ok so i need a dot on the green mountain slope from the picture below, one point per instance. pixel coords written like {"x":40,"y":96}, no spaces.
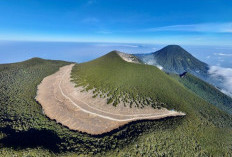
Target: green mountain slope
{"x":174,"y":59}
{"x":206,"y":91}
{"x":118,"y":80}
{"x":115,"y":78}
{"x":22,"y":122}
{"x":24,"y":129}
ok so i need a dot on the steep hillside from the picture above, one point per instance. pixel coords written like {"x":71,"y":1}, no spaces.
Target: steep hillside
{"x":118,"y":80}
{"x":206,"y":91}
{"x":175,"y":59}
{"x":135,"y":84}
{"x":24,"y":128}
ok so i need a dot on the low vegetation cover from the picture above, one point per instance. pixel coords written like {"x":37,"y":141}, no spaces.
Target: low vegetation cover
{"x":206,"y":91}
{"x":26,"y":131}
{"x":136,"y":85}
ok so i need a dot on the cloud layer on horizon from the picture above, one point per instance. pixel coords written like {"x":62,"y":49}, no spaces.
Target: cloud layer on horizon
{"x":224,"y":54}
{"x":226,"y":75}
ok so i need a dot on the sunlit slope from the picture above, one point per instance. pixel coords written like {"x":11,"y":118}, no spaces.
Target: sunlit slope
{"x":140,"y":84}
{"x":206,"y":91}
{"x":136,"y":83}
{"x":204,"y":125}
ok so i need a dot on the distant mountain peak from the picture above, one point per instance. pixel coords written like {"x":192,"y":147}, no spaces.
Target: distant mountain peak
{"x":173,"y":49}
{"x":175,"y":59}
{"x":173,"y":46}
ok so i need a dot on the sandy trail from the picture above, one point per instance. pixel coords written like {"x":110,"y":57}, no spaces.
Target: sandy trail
{"x":62,"y":101}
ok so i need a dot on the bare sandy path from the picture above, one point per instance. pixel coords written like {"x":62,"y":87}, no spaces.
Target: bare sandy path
{"x":79,"y":111}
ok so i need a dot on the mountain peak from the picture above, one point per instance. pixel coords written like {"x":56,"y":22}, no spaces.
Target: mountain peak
{"x":114,"y":51}
{"x":176,"y":47}
{"x":173,"y":46}
{"x":175,"y":59}
{"x":172,"y":50}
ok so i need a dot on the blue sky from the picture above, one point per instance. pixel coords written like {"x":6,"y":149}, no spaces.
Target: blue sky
{"x":191,"y":22}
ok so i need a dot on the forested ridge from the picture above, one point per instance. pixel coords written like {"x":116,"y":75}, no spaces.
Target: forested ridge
{"x":26,"y":131}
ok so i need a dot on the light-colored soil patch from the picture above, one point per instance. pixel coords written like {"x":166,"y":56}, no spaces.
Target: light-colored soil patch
{"x":128,"y":57}
{"x":77,"y":110}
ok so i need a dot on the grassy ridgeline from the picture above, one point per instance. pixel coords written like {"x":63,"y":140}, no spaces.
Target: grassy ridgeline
{"x":128,"y":82}
{"x":26,"y":131}
{"x":114,"y":78}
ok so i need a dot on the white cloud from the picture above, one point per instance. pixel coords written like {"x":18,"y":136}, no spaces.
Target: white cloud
{"x":151,"y":61}
{"x":203,"y":27}
{"x":226,"y":75}
{"x":224,"y":54}
{"x":159,"y":66}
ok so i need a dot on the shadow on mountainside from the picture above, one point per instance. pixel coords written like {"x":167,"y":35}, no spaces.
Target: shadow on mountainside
{"x":30,"y":139}
{"x":51,"y":141}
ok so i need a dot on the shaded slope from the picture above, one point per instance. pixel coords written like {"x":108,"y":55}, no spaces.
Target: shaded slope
{"x":206,"y":91}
